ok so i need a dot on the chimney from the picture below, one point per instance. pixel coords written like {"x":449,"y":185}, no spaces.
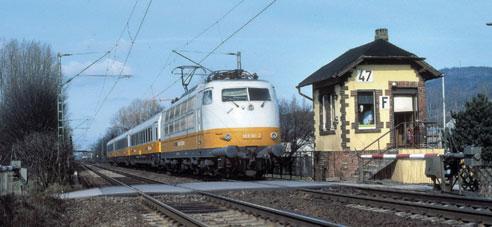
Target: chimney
{"x":381,"y":33}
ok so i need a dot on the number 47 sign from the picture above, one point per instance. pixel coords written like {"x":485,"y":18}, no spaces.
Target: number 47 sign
{"x":364,"y":75}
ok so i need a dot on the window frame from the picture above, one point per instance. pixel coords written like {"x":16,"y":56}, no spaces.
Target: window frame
{"x":365,"y":127}
{"x":211,"y":100}
{"x":259,"y":88}
{"x":327,"y":111}
{"x":237,"y":88}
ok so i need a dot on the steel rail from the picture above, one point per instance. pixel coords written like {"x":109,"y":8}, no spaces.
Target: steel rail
{"x":466,"y":201}
{"x":154,"y":203}
{"x":141,"y":178}
{"x":462,"y":214}
{"x":280,"y":215}
{"x":272,"y":213}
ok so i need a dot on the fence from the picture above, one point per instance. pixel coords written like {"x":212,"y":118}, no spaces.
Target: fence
{"x":299,"y":166}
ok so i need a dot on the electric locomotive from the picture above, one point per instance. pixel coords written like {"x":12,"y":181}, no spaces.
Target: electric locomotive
{"x":228,"y":125}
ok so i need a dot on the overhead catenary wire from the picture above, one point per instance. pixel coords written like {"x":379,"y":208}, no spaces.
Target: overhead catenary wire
{"x":126,"y":58}
{"x":237,"y":30}
{"x":198,"y":35}
{"x":113,"y":50}
{"x":213,"y":24}
{"x":227,"y":39}
{"x":123,"y":66}
{"x":87,"y":67}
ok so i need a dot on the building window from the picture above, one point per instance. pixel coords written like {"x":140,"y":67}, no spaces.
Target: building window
{"x":366,"y":110}
{"x":328,"y":118}
{"x":207,"y":97}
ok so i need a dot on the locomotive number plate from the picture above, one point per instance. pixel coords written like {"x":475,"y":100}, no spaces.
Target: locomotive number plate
{"x":252,"y":136}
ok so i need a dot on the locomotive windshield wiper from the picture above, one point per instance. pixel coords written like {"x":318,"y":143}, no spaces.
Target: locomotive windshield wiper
{"x":234,"y":103}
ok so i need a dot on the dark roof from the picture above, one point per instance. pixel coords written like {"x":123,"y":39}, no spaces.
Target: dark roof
{"x":376,"y":50}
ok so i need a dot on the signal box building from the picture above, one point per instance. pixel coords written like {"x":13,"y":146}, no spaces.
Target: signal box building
{"x":371,"y":99}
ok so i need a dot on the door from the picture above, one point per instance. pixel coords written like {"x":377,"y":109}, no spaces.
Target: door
{"x":404,"y":119}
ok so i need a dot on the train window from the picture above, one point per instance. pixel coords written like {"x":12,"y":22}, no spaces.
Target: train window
{"x":178,"y":111}
{"x":171,"y":113}
{"x":184,"y":107}
{"x":259,"y":94}
{"x":171,"y":128}
{"x":234,"y":94}
{"x":189,"y":121}
{"x":188,"y":105}
{"x":182,"y":123}
{"x":176,"y":126}
{"x":207,"y":97}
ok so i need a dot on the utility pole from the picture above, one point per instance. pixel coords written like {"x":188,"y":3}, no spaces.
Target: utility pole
{"x":238,"y":56}
{"x":443,"y":104}
{"x":59,"y":104}
{"x":60,"y":97}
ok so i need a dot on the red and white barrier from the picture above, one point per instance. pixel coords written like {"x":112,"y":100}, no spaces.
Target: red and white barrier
{"x":398,"y":156}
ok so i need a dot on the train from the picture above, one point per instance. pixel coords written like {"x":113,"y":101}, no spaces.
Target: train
{"x":227,"y":125}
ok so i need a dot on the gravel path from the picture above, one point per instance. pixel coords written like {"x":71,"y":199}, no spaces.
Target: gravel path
{"x":309,"y":204}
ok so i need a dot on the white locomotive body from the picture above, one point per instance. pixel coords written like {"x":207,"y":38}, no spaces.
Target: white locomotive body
{"x":226,"y":125}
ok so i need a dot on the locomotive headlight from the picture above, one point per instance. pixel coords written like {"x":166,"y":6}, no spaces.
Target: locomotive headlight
{"x":227,"y":137}
{"x":251,"y":107}
{"x":273,"y":135}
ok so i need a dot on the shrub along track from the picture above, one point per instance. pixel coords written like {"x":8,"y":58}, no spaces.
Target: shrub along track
{"x":206,"y":209}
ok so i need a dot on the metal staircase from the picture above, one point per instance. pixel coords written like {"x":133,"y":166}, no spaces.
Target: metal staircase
{"x":373,"y":169}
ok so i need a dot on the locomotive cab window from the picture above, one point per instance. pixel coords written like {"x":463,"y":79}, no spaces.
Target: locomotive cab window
{"x":207,"y":97}
{"x":234,"y":94}
{"x":259,"y":94}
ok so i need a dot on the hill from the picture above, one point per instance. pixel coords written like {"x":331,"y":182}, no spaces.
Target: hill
{"x":461,"y":83}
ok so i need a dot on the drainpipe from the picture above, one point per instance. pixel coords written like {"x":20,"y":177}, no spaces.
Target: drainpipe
{"x":303,"y":95}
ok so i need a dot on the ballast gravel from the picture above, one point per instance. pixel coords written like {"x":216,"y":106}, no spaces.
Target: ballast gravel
{"x":309,"y":204}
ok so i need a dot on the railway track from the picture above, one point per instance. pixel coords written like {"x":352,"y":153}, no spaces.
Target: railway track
{"x":449,"y":208}
{"x":479,"y":204}
{"x":208,"y":209}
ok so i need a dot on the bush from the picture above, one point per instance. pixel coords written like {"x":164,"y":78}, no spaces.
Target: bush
{"x":473,"y":127}
{"x":35,"y":210}
{"x":45,"y":163}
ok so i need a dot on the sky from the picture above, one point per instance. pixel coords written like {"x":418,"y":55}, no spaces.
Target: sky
{"x":283,"y":45}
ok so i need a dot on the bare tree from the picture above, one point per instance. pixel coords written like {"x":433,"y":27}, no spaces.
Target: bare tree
{"x":296,"y":127}
{"x":126,"y":118}
{"x":28,"y":100}
{"x":137,"y":112}
{"x":296,"y":119}
{"x":37,"y":153}
{"x":99,"y":147}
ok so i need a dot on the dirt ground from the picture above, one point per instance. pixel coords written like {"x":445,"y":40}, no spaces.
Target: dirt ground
{"x":306,"y":203}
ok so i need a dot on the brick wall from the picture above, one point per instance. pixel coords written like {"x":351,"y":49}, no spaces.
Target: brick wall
{"x":335,"y":164}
